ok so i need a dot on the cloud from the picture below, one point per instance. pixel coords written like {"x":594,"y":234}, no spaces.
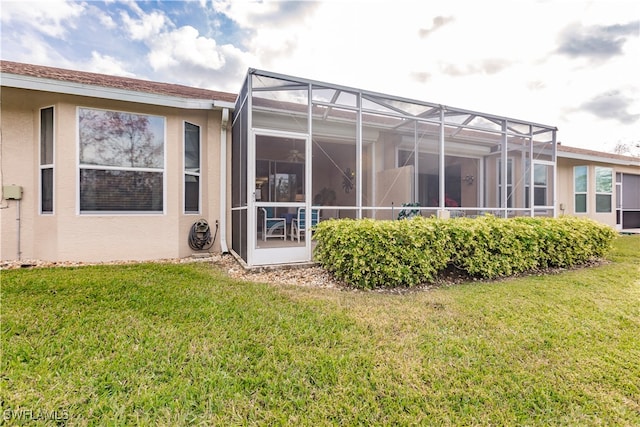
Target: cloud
{"x":106,"y":64}
{"x":611,"y":105}
{"x":438,"y":22}
{"x":249,"y":14}
{"x":421,"y":76}
{"x":272,"y":30}
{"x":184,"y":46}
{"x":484,"y":66}
{"x":596,"y":41}
{"x":107,"y":22}
{"x":183,"y":55}
{"x":146,"y":27}
{"x":52,"y":20}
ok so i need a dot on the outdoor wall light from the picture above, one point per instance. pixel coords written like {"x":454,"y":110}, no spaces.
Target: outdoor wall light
{"x":469,"y":179}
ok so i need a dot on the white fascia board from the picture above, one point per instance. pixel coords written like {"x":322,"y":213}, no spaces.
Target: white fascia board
{"x":71,"y":88}
{"x":596,"y":158}
{"x":224,"y":104}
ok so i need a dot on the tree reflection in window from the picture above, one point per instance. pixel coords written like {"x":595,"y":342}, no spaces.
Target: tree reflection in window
{"x":121,"y":161}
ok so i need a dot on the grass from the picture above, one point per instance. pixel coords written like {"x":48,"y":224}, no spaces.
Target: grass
{"x":182,"y":344}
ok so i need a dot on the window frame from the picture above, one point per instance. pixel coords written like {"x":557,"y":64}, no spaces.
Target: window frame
{"x":80,"y":166}
{"x":186,"y":172}
{"x":604,"y":193}
{"x":46,"y":166}
{"x":584,"y":193}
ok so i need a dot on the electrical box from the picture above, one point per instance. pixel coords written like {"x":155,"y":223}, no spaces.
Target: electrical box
{"x":12,"y":192}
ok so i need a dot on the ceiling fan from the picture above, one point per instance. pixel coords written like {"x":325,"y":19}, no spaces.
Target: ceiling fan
{"x":295,"y":155}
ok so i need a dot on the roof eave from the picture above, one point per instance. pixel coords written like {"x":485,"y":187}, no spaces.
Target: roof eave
{"x":596,"y":158}
{"x":72,"y":88}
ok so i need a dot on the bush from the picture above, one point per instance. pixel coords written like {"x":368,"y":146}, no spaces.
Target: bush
{"x":369,"y":254}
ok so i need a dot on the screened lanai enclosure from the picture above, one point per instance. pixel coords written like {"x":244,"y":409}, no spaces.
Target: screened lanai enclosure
{"x":305,"y":151}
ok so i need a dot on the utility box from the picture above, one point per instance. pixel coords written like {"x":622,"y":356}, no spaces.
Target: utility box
{"x":12,"y":192}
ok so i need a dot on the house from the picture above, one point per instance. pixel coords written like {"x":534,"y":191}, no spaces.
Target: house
{"x":97,"y":167}
{"x":601,"y":186}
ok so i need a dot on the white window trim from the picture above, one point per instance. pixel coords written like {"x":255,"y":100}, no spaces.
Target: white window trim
{"x":185,"y":172}
{"x":51,"y":166}
{"x":586,"y":192}
{"x":98,"y":167}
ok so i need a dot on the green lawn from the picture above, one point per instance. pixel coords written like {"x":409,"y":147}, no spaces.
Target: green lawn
{"x":161,"y":344}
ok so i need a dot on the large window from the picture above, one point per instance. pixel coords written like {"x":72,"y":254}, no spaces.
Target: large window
{"x":580,"y":182}
{"x":191,"y":168}
{"x":604,"y":189}
{"x":46,"y":160}
{"x":121,"y":160}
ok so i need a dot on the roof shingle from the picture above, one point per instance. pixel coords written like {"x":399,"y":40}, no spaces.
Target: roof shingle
{"x":104,"y":80}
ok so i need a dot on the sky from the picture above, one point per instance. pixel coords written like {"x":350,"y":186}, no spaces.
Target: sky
{"x":573,"y":64}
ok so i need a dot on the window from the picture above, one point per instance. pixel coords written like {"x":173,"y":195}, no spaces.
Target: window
{"x":580,"y":182}
{"x":191,"y":168}
{"x":604,"y":189}
{"x":121,"y":162}
{"x":46,"y":160}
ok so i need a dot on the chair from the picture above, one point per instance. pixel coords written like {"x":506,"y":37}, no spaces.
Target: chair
{"x":273,"y":227}
{"x":298,"y":225}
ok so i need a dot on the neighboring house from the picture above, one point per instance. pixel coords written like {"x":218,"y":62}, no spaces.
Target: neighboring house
{"x":86,"y":195}
{"x":98,"y":168}
{"x":601,"y":186}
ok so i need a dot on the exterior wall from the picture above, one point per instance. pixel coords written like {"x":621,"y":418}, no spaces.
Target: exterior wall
{"x":565,"y":190}
{"x":68,"y":235}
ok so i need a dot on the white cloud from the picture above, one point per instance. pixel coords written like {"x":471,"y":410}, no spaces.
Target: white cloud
{"x":146,"y":27}
{"x":184,"y":45}
{"x":107,"y":65}
{"x":50,"y":18}
{"x":107,"y":21}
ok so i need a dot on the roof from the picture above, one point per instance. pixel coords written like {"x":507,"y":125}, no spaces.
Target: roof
{"x":596,"y":156}
{"x":85,"y":79}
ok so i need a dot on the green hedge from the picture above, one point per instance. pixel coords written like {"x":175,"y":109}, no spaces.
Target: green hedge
{"x":370,"y":254}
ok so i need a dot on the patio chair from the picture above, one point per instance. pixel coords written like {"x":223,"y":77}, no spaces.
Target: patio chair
{"x":273,"y":227}
{"x":298,"y":225}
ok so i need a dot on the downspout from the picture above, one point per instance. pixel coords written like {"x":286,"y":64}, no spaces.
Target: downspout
{"x":223,"y":180}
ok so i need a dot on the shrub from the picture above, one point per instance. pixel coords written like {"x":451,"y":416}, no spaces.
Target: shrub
{"x":368,"y":253}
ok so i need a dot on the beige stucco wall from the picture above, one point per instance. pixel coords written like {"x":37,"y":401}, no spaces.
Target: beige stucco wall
{"x":565,"y":201}
{"x":67,"y":235}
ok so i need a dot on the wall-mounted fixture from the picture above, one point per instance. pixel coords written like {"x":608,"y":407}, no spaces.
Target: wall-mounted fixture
{"x":12,"y":192}
{"x":469,"y":179}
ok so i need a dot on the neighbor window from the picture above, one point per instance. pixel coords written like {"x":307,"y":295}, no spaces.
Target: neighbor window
{"x":121,"y":160}
{"x":580,"y":182}
{"x":46,"y":160}
{"x":604,"y":189}
{"x":191,"y":168}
